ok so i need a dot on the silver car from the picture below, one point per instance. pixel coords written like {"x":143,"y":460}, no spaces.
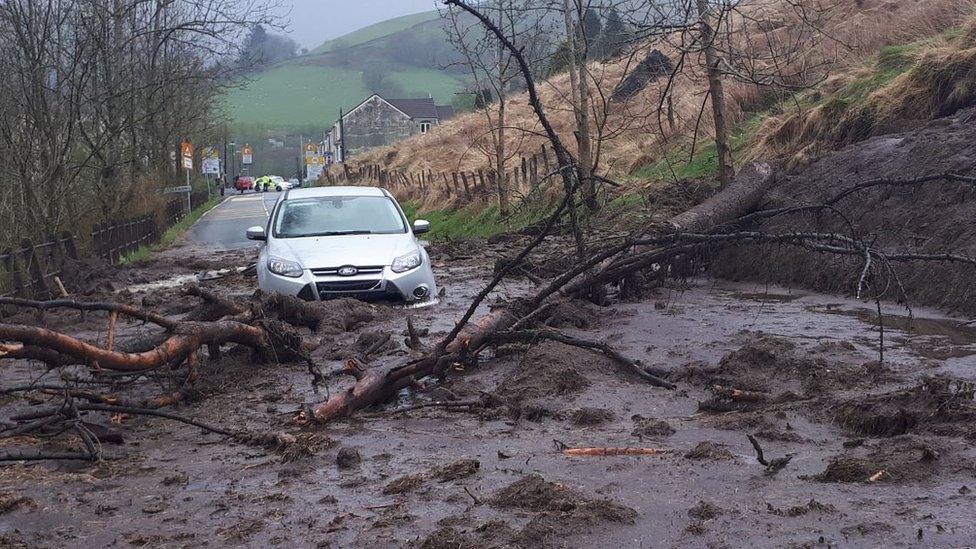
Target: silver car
{"x":328,"y":242}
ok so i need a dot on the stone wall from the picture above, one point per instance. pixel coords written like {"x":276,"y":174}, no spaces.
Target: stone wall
{"x":375,"y":124}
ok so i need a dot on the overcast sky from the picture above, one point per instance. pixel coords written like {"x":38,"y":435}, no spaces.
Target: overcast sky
{"x":315,"y":21}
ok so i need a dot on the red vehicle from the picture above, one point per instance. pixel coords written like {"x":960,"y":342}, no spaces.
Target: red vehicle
{"x":243,"y":183}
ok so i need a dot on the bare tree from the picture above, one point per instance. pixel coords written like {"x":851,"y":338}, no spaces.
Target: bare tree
{"x":493,"y":73}
{"x":97,"y":93}
{"x":715,"y":91}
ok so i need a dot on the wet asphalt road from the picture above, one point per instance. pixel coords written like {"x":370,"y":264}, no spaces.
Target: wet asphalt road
{"x":224,"y":225}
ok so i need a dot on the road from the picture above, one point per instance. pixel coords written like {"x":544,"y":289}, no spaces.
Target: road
{"x":224,"y":225}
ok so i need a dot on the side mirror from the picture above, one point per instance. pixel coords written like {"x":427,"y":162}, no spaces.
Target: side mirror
{"x":421,"y":226}
{"x":256,"y":233}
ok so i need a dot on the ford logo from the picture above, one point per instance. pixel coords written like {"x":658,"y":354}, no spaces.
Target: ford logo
{"x":348,"y":271}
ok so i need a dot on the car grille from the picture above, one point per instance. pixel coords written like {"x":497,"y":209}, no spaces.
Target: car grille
{"x":348,"y":285}
{"x":334,"y":271}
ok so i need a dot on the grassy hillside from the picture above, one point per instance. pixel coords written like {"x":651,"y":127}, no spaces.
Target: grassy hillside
{"x":294,"y":95}
{"x":306,"y":93}
{"x":374,"y":31}
{"x":314,"y":94}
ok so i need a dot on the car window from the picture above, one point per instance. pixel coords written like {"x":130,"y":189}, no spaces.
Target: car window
{"x":337,"y":215}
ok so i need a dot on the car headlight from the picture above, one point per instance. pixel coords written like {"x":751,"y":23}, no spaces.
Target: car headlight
{"x":406,"y":262}
{"x":284,"y":267}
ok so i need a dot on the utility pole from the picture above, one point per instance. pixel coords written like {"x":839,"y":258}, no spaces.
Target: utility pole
{"x":342,"y":139}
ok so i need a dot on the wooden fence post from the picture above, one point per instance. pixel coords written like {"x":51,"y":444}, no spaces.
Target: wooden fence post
{"x":35,"y":269}
{"x":10,"y":265}
{"x":484,"y":189}
{"x":57,"y":252}
{"x":467,"y":190}
{"x":68,"y":240}
{"x":535,"y":171}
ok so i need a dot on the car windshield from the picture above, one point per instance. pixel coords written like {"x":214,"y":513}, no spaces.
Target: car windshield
{"x":337,"y":215}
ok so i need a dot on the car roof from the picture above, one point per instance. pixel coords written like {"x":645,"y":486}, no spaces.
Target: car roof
{"x":335,"y":191}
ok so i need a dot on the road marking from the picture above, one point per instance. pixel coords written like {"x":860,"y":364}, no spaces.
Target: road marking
{"x":246,"y":198}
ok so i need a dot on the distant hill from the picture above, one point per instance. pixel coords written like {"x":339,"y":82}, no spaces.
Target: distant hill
{"x":376,"y":30}
{"x":406,"y":56}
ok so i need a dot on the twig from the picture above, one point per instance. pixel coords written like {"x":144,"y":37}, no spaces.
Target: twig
{"x":772,"y":466}
{"x":110,"y":338}
{"x":40,"y":455}
{"x":759,"y":450}
{"x":92,"y":306}
{"x":435,"y":404}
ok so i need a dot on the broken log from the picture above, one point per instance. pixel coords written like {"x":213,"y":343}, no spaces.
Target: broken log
{"x":186,"y":338}
{"x":743,"y":195}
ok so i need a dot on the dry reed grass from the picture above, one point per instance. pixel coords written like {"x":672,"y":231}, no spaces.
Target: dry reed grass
{"x":639,"y":132}
{"x":897,"y":91}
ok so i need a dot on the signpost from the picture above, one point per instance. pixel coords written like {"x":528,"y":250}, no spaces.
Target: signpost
{"x":247,"y":155}
{"x":210,"y":161}
{"x":311,"y":158}
{"x":176,"y":190}
{"x":186,"y":151}
{"x":315,"y":166}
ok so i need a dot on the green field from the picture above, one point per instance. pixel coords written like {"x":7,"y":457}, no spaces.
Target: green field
{"x":306,"y":93}
{"x":295,"y":96}
{"x":376,"y":30}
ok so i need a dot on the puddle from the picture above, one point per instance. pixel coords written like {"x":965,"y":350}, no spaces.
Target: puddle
{"x":179,"y":280}
{"x":956,"y":332}
{"x":418,"y":304}
{"x":766,"y":297}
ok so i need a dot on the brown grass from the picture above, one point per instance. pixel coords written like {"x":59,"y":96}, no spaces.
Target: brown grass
{"x":940,"y":79}
{"x":639,"y":133}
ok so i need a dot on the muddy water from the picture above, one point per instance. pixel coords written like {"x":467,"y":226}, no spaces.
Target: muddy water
{"x":173,"y":486}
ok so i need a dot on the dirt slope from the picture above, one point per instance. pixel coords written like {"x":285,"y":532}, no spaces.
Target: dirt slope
{"x":932,"y":218}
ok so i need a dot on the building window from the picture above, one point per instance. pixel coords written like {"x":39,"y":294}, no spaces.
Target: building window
{"x":424,"y":127}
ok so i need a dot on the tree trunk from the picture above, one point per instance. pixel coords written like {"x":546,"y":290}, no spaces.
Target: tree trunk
{"x":717,"y":94}
{"x":581,"y":105}
{"x":503,"y":187}
{"x":739,"y":198}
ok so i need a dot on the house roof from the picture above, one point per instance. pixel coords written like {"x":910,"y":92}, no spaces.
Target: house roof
{"x":445,"y":112}
{"x":415,"y":108}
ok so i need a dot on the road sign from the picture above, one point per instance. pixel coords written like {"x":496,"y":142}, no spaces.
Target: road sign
{"x":186,"y":151}
{"x":314,"y":171}
{"x":175,"y":190}
{"x":210,"y":165}
{"x":310,"y":150}
{"x":247,"y":155}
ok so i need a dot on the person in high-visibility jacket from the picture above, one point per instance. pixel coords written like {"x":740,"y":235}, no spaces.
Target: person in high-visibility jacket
{"x":263,"y":183}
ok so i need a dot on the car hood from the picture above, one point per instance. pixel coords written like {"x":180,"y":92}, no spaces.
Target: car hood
{"x":335,"y":251}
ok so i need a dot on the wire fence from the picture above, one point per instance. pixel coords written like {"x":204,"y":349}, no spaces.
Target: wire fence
{"x":472,"y":185}
{"x":34,"y":270}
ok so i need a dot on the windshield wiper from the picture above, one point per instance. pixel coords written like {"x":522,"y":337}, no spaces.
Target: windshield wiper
{"x":337,"y":233}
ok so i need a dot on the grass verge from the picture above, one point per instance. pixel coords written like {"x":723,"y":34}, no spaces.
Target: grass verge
{"x":475,"y":221}
{"x":171,"y":234}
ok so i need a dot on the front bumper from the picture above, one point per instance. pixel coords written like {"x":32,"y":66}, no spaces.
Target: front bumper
{"x":386,"y":285}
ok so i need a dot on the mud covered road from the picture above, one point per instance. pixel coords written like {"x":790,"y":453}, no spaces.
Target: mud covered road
{"x":882,"y":454}
{"x":224,"y":226}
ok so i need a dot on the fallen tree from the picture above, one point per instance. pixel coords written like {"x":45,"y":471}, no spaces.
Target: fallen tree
{"x":710,"y":225}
